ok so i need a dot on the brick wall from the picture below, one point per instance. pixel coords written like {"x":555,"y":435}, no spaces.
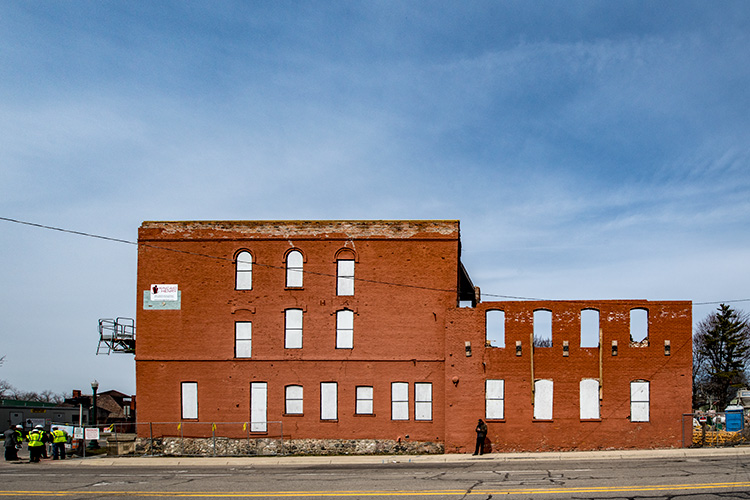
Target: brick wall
{"x":407,"y":328}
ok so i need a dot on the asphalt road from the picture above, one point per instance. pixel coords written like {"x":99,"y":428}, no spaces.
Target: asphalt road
{"x":714,"y":477}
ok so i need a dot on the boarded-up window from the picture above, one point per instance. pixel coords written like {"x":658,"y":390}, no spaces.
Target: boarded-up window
{"x":495,"y":328}
{"x":189,"y":400}
{"x":243,"y":339}
{"x":364,"y":400}
{"x":422,"y":401}
{"x":494,"y":399}
{"x":589,"y":328}
{"x":542,"y":328}
{"x":638,"y":325}
{"x":589,"y":393}
{"x":293,"y":329}
{"x":294,"y":262}
{"x":543,"y":400}
{"x":244,"y":274}
{"x":329,"y":409}
{"x":345,"y":277}
{"x":344,"y":329}
{"x":399,"y":401}
{"x":294,"y":400}
{"x":639,"y":401}
{"x":258,"y":406}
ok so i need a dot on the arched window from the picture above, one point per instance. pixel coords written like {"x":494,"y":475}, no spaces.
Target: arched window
{"x":244,"y":273}
{"x":495,"y":328}
{"x":294,"y":263}
{"x":589,"y":328}
{"x":345,"y":277}
{"x":344,"y":329}
{"x":542,"y":328}
{"x":638,"y":325}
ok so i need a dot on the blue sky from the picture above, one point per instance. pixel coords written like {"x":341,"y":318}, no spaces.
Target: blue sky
{"x":590,"y":149}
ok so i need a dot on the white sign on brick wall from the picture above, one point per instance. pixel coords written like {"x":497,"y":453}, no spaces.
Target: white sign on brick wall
{"x":163,"y":293}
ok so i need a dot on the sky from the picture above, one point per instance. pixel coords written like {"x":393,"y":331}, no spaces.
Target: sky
{"x":590,"y":149}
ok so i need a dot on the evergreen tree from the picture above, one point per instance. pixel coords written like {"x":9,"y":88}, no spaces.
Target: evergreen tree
{"x":721,"y":351}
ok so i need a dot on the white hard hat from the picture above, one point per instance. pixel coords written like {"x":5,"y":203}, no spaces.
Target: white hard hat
{"x":38,"y":427}
{"x":19,"y":426}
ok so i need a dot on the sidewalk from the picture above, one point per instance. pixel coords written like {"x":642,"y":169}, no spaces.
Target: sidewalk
{"x":677,"y":453}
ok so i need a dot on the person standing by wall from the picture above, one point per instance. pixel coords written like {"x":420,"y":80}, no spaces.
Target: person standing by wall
{"x":481,"y":431}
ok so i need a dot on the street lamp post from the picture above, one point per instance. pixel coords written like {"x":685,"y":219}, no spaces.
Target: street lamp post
{"x":94,"y":386}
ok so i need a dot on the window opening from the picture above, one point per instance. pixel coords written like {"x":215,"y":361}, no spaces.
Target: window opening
{"x":543,"y":399}
{"x":293,"y":400}
{"x":258,"y":406}
{"x":345,"y":329}
{"x":294,"y":274}
{"x":399,"y":401}
{"x":329,"y":401}
{"x":422,"y":401}
{"x":243,"y":339}
{"x":364,"y":400}
{"x":345,"y":277}
{"x":293,"y":329}
{"x":542,"y":328}
{"x":589,"y":328}
{"x":589,"y":394}
{"x":189,"y":400}
{"x":639,"y":325}
{"x":495,"y":328}
{"x":639,"y":401}
{"x":244,"y":273}
{"x":494,"y":395}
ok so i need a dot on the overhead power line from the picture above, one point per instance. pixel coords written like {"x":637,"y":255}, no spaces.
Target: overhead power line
{"x":215,"y":257}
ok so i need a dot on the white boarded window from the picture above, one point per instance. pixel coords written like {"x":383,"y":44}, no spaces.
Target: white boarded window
{"x":293,"y":328}
{"x":495,"y":328}
{"x":422,"y":401}
{"x":189,"y":400}
{"x":638,"y":325}
{"x":543,"y":399}
{"x":293,"y":400}
{"x":345,"y":277}
{"x":345,"y":329}
{"x":244,"y":274}
{"x":639,"y":401}
{"x":329,"y":401}
{"x":294,"y":263}
{"x":364,"y":400}
{"x":494,"y":399}
{"x":542,"y":328}
{"x":399,"y":401}
{"x":243,"y":339}
{"x":258,"y":406}
{"x":589,"y":328}
{"x":589,"y":393}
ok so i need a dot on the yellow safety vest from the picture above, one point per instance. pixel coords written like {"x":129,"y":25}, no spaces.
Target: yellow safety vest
{"x":59,"y":436}
{"x":35,"y":439}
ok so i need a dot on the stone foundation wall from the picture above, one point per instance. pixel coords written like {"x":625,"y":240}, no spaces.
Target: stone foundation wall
{"x":175,"y":446}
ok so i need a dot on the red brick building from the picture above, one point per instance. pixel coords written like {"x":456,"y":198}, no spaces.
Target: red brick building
{"x":353,"y":330}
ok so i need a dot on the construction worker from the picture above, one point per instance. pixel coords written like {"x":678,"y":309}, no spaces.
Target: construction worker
{"x":59,"y":438}
{"x":11,"y":452}
{"x":19,"y":434}
{"x":46,"y":438}
{"x":35,"y":444}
